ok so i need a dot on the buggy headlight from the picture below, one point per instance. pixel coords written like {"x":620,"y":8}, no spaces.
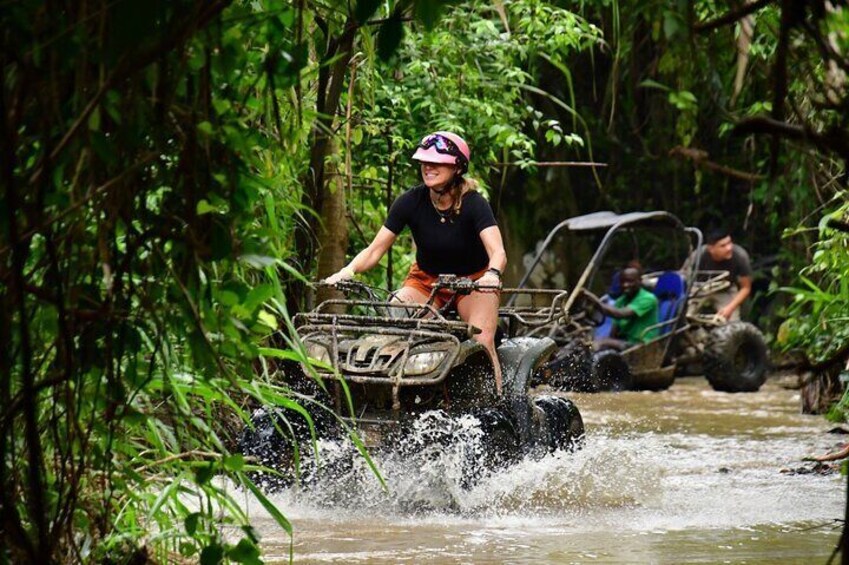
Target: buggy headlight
{"x":318,"y":352}
{"x":423,"y":363}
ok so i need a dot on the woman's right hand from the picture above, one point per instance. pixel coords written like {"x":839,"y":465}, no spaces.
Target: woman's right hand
{"x":344,"y":274}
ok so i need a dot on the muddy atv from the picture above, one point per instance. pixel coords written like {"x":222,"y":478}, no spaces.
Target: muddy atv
{"x":382,"y":366}
{"x":732,"y":355}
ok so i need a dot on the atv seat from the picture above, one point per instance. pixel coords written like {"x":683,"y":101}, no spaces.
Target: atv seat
{"x":670,"y":291}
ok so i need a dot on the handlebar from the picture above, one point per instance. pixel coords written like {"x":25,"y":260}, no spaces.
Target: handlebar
{"x":461,"y":285}
{"x":345,"y":286}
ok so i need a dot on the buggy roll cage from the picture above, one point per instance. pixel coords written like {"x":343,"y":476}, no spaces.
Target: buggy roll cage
{"x":613,"y":223}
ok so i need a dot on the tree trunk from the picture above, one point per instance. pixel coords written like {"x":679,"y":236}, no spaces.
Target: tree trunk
{"x":331,"y":81}
{"x":333,"y":232}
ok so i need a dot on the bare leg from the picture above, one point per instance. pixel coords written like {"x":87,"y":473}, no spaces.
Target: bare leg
{"x":480,"y":309}
{"x":410,"y":294}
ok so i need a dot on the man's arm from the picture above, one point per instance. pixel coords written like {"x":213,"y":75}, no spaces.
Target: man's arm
{"x":614,"y":312}
{"x":745,"y":290}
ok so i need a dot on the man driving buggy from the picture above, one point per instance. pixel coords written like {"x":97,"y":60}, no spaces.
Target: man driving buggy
{"x":635,"y":311}
{"x":454,"y":231}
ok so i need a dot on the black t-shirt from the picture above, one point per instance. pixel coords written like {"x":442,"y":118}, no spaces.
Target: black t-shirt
{"x":450,"y":247}
{"x":738,"y":266}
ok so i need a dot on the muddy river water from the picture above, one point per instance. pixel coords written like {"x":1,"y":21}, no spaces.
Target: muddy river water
{"x":687,"y":475}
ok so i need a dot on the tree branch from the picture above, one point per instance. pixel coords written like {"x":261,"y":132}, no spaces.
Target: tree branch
{"x":700,"y":159}
{"x":833,"y":140}
{"x":731,"y":17}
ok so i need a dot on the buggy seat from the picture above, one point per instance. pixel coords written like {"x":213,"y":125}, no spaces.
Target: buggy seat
{"x":671,"y":290}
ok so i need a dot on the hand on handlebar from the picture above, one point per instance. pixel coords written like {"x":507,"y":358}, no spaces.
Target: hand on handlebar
{"x":465,"y":285}
{"x":591,"y":297}
{"x":489,"y":282}
{"x":344,"y":274}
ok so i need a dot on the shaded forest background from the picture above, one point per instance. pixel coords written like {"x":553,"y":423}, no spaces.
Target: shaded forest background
{"x":174,"y":173}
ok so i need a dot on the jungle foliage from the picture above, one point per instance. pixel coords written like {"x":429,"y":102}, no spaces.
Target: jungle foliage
{"x":174,"y":172}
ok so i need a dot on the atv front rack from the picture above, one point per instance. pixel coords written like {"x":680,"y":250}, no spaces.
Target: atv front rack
{"x":534,"y":316}
{"x":377,"y":349}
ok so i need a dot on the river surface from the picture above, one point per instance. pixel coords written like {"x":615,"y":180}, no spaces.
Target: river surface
{"x":686,"y":475}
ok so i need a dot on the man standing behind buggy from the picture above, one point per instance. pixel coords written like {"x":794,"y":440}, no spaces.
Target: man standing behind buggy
{"x":720,"y":253}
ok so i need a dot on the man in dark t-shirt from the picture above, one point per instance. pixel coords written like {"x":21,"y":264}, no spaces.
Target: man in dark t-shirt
{"x":720,"y":253}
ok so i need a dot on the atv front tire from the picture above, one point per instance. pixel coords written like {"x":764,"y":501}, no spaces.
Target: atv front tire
{"x":735,"y":358}
{"x":564,"y":422}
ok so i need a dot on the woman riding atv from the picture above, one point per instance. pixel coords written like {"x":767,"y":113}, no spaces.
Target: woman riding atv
{"x":455,"y":232}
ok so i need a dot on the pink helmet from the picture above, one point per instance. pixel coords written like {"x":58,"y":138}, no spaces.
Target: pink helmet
{"x":444,"y":147}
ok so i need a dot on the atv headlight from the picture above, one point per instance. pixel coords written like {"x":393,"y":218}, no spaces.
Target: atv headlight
{"x":318,"y":352}
{"x":423,"y":363}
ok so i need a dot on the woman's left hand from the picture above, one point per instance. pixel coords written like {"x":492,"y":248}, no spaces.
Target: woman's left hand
{"x":490,"y":282}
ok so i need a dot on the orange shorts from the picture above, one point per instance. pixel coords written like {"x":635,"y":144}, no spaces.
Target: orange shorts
{"x":423,"y":282}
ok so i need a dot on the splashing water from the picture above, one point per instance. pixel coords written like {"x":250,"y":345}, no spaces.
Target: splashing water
{"x":440,"y":466}
{"x":687,"y":475}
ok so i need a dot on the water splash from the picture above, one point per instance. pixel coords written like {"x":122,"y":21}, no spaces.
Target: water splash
{"x":439,"y":467}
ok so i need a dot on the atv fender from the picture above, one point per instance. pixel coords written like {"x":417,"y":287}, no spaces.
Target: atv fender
{"x":520,"y":357}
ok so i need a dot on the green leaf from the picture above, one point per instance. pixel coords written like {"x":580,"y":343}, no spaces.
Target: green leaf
{"x":268,"y":505}
{"x":245,"y":551}
{"x":204,"y":207}
{"x":281,"y":354}
{"x":221,"y":106}
{"x":365,"y":9}
{"x":205,"y":128}
{"x":389,"y":37}
{"x":204,"y":473}
{"x":268,"y":319}
{"x":166,"y":493}
{"x":258,"y":261}
{"x":191,"y":523}
{"x":648,"y":83}
{"x":212,"y":554}
{"x":234,"y":462}
{"x":94,"y":119}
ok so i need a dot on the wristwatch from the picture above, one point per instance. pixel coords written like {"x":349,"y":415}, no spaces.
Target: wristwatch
{"x":496,"y":271}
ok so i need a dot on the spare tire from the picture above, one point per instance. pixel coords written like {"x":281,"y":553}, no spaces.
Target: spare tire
{"x":610,"y":372}
{"x":735,"y":358}
{"x":564,"y":423}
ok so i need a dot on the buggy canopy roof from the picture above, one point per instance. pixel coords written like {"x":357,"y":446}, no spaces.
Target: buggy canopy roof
{"x":606,"y":220}
{"x":609,"y":222}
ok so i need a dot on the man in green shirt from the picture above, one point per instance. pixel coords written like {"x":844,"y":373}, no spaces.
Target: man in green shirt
{"x":634,"y":311}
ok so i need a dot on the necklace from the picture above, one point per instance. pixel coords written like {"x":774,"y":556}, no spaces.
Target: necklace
{"x":443,"y":216}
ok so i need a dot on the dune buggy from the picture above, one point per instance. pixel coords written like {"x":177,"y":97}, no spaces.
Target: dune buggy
{"x":732,"y":355}
{"x":385,"y":364}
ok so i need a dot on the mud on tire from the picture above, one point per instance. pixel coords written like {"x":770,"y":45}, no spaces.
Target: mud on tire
{"x":735,"y":358}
